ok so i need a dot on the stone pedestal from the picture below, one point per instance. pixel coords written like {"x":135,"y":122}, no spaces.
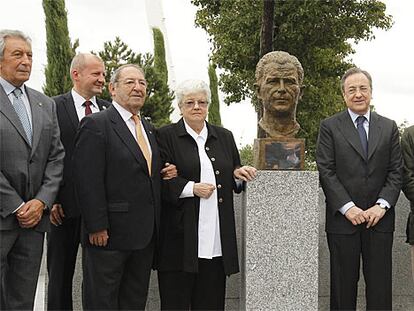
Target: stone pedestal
{"x":280,"y":242}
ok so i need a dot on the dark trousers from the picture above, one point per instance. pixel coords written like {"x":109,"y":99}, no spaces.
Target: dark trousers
{"x":116,"y":280}
{"x":21,"y":254}
{"x":62,"y":249}
{"x":345,"y":254}
{"x":204,"y":290}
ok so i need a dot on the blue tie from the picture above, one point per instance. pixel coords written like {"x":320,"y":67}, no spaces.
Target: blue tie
{"x":362,"y":133}
{"x":21,"y":111}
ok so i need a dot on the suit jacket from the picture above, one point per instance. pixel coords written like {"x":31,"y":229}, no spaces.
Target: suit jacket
{"x":114,"y":190}
{"x":407,"y":147}
{"x":346,"y":175}
{"x":179,"y":222}
{"x":28,"y":172}
{"x":68,"y":124}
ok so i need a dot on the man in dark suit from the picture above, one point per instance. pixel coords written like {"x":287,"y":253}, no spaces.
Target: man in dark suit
{"x":360,"y":165}
{"x":88,"y":75}
{"x":117,"y":181}
{"x":31,"y":162}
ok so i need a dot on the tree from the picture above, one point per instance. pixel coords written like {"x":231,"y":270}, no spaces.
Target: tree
{"x":319,"y":33}
{"x":160,"y":63}
{"x":214,"y":109}
{"x":158,"y":106}
{"x":59,"y":49}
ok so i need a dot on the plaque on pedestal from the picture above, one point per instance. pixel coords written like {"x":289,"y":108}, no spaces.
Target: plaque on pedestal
{"x":279,"y":153}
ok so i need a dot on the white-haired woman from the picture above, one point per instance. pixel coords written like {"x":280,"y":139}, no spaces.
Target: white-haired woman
{"x":198,"y":236}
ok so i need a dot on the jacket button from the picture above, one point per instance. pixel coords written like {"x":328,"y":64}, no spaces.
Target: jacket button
{"x":213,"y":159}
{"x":217,"y":172}
{"x":220,"y":200}
{"x":207,"y":148}
{"x":219,"y":186}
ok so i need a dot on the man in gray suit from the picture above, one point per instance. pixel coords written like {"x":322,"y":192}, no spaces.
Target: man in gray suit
{"x":31,"y":162}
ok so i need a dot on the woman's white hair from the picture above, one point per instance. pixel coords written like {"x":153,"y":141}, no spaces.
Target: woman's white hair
{"x":190,"y":87}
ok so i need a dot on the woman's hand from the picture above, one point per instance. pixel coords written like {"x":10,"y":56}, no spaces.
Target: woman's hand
{"x":246,"y":173}
{"x":203,"y":190}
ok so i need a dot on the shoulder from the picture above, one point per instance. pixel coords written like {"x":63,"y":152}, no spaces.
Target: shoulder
{"x":168,"y":132}
{"x":103,"y":103}
{"x":61,"y":98}
{"x":335,"y":118}
{"x":220,"y":131}
{"x":33,"y":94}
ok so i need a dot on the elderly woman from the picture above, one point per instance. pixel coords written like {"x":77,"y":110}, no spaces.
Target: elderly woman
{"x":198,"y":236}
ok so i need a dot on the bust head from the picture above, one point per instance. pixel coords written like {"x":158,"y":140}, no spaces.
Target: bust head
{"x":279,"y":78}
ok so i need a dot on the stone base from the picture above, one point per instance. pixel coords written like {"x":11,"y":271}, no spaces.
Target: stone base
{"x":280,"y":242}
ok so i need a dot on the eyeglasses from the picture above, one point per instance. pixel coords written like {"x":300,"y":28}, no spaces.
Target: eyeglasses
{"x":362,"y":89}
{"x":130,"y":83}
{"x":190,"y":104}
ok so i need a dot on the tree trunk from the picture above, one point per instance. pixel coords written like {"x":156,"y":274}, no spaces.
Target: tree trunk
{"x":266,"y":46}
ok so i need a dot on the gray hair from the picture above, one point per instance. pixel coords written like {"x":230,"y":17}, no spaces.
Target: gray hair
{"x":352,"y":71}
{"x":8,"y":33}
{"x":117,"y":72}
{"x":281,"y":58}
{"x":79,"y":61}
{"x":192,"y":86}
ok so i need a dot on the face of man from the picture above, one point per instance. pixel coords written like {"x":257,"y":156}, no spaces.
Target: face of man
{"x":194,"y":108}
{"x":16,"y":65}
{"x":130,"y":90}
{"x":89,"y":80}
{"x":357,"y":93}
{"x":279,"y":89}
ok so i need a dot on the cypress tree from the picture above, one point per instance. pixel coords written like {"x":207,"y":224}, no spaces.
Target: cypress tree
{"x":214,"y":109}
{"x":160,"y":63}
{"x":59,"y":49}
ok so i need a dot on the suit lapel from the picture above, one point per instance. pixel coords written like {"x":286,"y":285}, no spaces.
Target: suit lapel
{"x":37,"y":117}
{"x":374,"y":134}
{"x":350,"y":133}
{"x":71,"y":110}
{"x":102,"y":105}
{"x":125,"y":135}
{"x":6,"y":107}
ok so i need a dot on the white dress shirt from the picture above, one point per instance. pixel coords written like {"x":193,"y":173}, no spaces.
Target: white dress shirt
{"x":78,"y":100}
{"x":209,"y":242}
{"x":127,"y":117}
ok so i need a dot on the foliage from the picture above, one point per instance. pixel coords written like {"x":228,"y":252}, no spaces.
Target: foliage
{"x":159,"y":97}
{"x":246,"y":155}
{"x":319,"y":33}
{"x":160,"y":63}
{"x":59,"y":49}
{"x":214,"y":109}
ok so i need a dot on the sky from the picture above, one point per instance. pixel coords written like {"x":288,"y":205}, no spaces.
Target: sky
{"x":388,"y":57}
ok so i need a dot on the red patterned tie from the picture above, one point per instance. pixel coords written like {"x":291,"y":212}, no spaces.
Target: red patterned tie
{"x":88,"y":109}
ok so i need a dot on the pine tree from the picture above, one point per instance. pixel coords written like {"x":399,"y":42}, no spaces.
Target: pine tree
{"x":159,"y":98}
{"x":59,"y":49}
{"x":214,"y":109}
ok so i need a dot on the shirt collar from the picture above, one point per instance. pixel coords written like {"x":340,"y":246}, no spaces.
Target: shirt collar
{"x":9,"y":88}
{"x":125,"y":114}
{"x":203,"y":134}
{"x":354,"y":115}
{"x":79,"y":100}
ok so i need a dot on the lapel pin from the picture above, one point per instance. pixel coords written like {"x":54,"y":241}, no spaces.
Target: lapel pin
{"x":40,"y":104}
{"x":104,"y":107}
